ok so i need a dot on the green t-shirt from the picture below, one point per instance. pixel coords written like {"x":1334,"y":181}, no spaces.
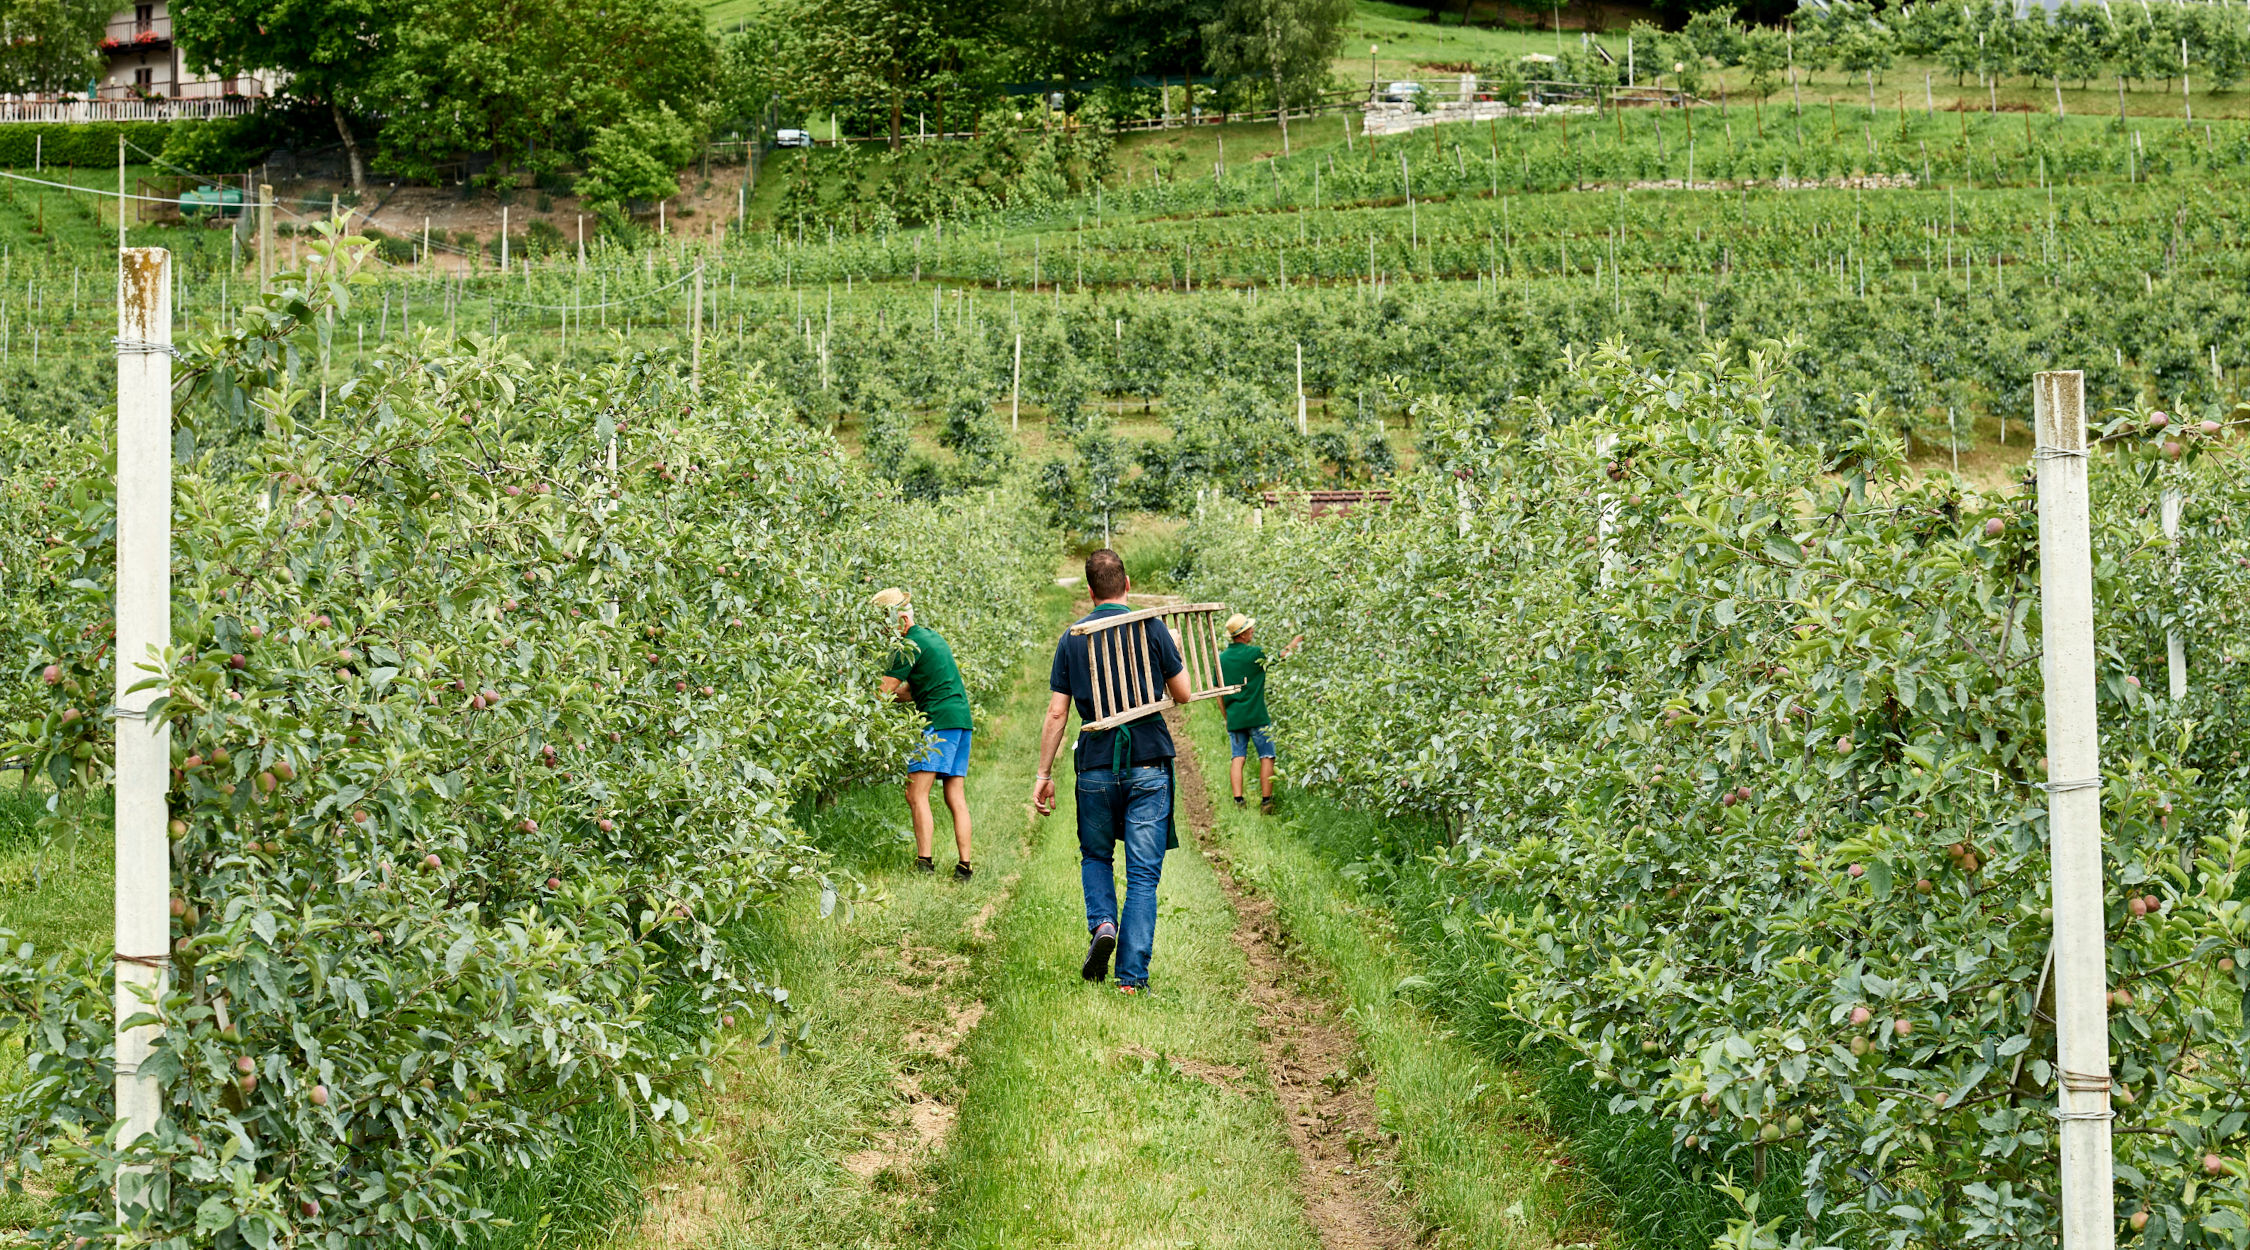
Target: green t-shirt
{"x":1245,"y":666}
{"x":925,"y":663}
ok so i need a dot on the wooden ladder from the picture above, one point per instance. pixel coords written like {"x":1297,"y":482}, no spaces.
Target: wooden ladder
{"x":1125,"y":672}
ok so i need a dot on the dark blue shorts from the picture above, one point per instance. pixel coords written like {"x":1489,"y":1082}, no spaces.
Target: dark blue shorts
{"x":1241,"y":740}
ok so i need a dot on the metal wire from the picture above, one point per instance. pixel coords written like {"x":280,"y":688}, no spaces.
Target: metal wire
{"x":2065,"y":787}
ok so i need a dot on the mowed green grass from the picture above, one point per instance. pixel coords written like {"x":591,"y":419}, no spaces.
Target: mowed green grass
{"x":1093,"y":1119}
{"x":1478,"y":1167}
{"x":55,"y":895}
{"x":724,"y":15}
{"x":879,"y":989}
{"x":1071,"y":1119}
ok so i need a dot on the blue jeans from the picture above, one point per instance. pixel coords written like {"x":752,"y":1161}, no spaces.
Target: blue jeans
{"x":1132,"y":806}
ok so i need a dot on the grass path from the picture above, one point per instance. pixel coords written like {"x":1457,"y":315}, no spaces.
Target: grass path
{"x":1463,"y":1133}
{"x":829,"y":1140}
{"x":1092,"y":1119}
{"x":952,"y":1082}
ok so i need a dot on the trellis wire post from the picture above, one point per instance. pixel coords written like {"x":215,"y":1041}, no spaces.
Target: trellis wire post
{"x":144,"y":633}
{"x":2074,"y":816}
{"x":265,"y":236}
{"x":695,"y":339}
{"x":2175,"y":642}
{"x":1015,"y":390}
{"x":1605,"y":524}
{"x":1301,"y":427}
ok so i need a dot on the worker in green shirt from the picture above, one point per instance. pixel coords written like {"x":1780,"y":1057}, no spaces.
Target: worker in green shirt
{"x":1244,"y":665}
{"x":922,"y":670}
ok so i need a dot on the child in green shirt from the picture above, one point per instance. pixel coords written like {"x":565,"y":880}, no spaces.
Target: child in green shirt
{"x":1244,"y":665}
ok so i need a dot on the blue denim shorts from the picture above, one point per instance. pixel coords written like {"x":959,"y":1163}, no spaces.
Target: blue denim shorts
{"x":1241,"y":740}
{"x":944,"y":752}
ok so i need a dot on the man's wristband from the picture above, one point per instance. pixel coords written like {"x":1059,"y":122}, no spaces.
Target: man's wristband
{"x":1046,"y":777}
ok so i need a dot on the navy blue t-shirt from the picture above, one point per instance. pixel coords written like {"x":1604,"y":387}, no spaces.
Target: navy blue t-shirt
{"x":1151,"y":738}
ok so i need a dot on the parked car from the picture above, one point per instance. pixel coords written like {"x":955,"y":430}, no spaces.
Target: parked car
{"x":792,"y":139}
{"x":1402,"y":92}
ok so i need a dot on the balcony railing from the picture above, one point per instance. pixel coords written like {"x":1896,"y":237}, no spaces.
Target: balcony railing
{"x":128,"y":32}
{"x":245,"y":87}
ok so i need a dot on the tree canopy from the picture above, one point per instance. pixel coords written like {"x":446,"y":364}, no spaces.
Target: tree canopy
{"x":527,"y":84}
{"x":50,"y":46}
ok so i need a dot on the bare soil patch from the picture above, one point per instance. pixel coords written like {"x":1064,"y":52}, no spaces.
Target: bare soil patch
{"x":1312,"y":1058}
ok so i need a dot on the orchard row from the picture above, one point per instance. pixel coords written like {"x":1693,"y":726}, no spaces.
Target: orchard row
{"x":1739,"y":747}
{"x":492,"y":689}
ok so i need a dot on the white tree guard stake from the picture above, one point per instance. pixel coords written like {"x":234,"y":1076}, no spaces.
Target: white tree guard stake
{"x":2175,"y":643}
{"x":265,"y":238}
{"x":1015,"y":390}
{"x":695,"y":340}
{"x":1605,"y":524}
{"x":144,"y":631}
{"x":2074,"y":811}
{"x":1127,"y":683}
{"x":1300,"y":390}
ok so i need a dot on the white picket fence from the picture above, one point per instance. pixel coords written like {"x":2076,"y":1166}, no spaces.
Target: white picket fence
{"x":66,"y":111}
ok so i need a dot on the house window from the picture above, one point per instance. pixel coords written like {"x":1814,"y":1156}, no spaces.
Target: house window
{"x":144,"y":80}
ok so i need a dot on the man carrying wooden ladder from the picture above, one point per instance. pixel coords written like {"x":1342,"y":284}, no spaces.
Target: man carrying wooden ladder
{"x":1122,"y":767}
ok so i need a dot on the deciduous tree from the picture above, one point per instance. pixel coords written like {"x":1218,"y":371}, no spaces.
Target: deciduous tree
{"x":326,"y":51}
{"x":50,"y":46}
{"x":531,"y":83}
{"x":1289,"y":42}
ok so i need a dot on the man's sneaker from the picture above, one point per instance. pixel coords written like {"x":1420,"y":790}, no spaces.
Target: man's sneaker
{"x":1129,"y":991}
{"x":1098,"y":950}
{"x":1267,"y":807}
{"x":1238,"y":800}
{"x":922,"y":864}
{"x":962,"y":871}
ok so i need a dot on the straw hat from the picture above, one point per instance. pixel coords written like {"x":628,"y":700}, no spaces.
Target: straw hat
{"x":891,"y":599}
{"x":1238,"y":625}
